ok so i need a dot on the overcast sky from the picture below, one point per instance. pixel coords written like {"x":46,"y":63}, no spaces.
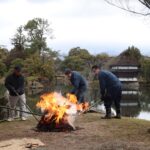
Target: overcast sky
{"x":90,"y":24}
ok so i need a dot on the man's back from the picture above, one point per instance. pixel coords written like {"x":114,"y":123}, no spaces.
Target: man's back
{"x":80,"y":86}
{"x":108,"y":79}
{"x":77,"y":79}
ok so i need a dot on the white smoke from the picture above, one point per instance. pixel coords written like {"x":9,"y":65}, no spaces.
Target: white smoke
{"x":71,"y":111}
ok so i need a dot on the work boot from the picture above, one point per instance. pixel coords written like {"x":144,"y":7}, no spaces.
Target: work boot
{"x":106,"y":117}
{"x":23,"y":118}
{"x":118,"y":116}
{"x":10,"y":119}
{"x":108,"y":114}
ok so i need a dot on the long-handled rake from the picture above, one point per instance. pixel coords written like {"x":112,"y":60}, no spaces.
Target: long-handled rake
{"x":27,"y":107}
{"x":94,"y":104}
{"x":27,"y":112}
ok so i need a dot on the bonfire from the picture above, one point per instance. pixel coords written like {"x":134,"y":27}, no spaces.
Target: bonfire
{"x":59,"y":111}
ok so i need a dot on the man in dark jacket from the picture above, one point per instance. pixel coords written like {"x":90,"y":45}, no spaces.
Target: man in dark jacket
{"x":79,"y":83}
{"x":110,"y":87}
{"x":15,"y":85}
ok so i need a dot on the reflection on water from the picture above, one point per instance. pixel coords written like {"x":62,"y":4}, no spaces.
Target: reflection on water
{"x":134,"y":104}
{"x":130,"y":103}
{"x":144,"y":103}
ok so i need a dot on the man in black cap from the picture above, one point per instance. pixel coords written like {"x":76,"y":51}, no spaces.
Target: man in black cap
{"x":79,"y":83}
{"x":15,"y":85}
{"x":111,"y":90}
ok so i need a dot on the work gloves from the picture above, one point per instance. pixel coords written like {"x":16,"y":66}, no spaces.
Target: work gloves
{"x":18,"y":90}
{"x":12,"y":88}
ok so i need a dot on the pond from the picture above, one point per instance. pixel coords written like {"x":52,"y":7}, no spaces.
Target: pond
{"x":136,"y":105}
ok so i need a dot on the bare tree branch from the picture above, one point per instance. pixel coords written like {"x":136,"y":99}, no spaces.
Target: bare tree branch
{"x":144,"y":2}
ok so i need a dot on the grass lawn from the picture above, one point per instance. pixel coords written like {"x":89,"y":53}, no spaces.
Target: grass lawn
{"x":94,"y":134}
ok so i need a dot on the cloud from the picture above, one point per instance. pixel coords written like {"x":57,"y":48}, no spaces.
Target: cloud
{"x":92,"y":24}
{"x":6,"y":1}
{"x":42,"y":1}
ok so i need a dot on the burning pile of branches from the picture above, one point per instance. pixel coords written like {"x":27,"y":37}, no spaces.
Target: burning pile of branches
{"x":59,"y":111}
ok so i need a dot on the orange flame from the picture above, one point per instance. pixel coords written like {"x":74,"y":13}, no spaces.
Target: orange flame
{"x":54,"y":104}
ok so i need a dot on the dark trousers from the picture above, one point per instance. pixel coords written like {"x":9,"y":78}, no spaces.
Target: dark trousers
{"x":113,"y":96}
{"x":80,"y":94}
